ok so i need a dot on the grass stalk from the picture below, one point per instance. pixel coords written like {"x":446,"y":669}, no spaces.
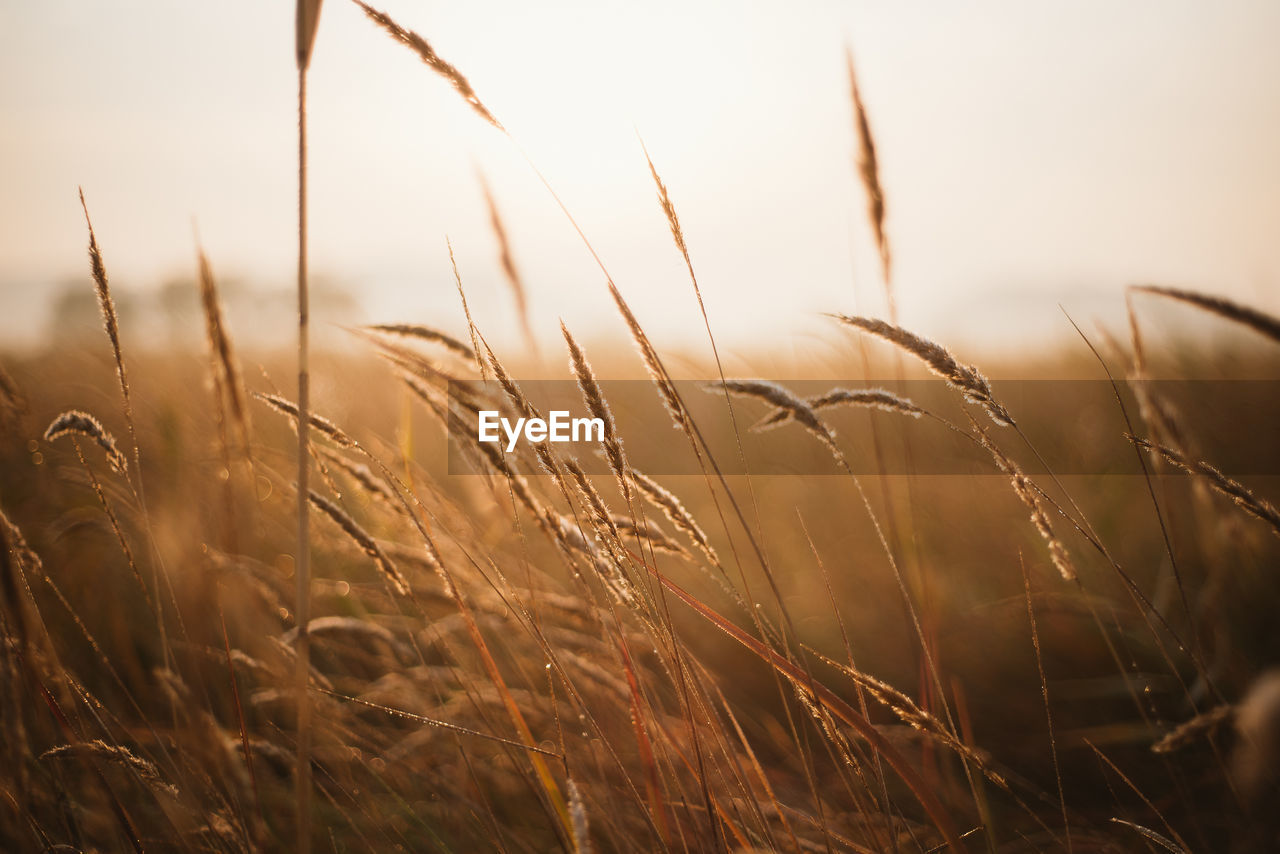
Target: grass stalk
{"x":308,"y":19}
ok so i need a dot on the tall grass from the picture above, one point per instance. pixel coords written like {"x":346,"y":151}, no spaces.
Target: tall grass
{"x":525,"y":661}
{"x":308,"y":22}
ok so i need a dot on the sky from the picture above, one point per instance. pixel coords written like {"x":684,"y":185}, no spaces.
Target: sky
{"x":1032,"y":155}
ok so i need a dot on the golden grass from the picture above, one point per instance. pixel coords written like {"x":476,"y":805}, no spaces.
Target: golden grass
{"x":524,"y":661}
{"x":77,"y":422}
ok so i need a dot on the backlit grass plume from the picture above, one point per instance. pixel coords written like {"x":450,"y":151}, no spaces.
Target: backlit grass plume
{"x":869,"y":171}
{"x":424,"y":333}
{"x":966,"y":378}
{"x":1260,"y":322}
{"x":783,"y":399}
{"x":434,"y":61}
{"x":75,"y":422}
{"x":599,"y":408}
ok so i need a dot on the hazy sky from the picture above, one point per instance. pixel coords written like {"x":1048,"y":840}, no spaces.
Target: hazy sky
{"x":1032,"y":153}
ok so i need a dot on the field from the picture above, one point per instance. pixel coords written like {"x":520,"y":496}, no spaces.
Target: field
{"x":902,"y":600}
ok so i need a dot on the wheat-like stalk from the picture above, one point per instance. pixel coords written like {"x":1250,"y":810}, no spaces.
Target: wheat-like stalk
{"x":427,"y":54}
{"x":920,"y":720}
{"x":783,"y":399}
{"x":966,"y":378}
{"x":99,"y":749}
{"x":613,"y":570}
{"x":676,"y":513}
{"x":362,"y":538}
{"x":225,"y":368}
{"x":1029,"y":495}
{"x":671,"y":399}
{"x":668,"y":209}
{"x":508,"y":385}
{"x":371,"y":483}
{"x":870,"y":398}
{"x":424,"y":333}
{"x":471,"y":324}
{"x":509,"y":269}
{"x":600,"y":514}
{"x":869,"y":171}
{"x":1201,"y":726}
{"x":317,"y":422}
{"x":308,"y":22}
{"x":649,"y":534}
{"x":109,"y":320}
{"x":666,"y":390}
{"x":80,"y":423}
{"x":1260,"y":322}
{"x":492,"y":454}
{"x":599,"y":408}
{"x":349,"y":627}
{"x":1240,"y":494}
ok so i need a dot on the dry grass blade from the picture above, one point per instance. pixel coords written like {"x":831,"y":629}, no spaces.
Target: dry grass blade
{"x":491,"y":454}
{"x":410,"y":716}
{"x":362,"y":538}
{"x":424,"y":333}
{"x":652,"y":364}
{"x":611,"y":571}
{"x":109,"y":320}
{"x":1057,"y":551}
{"x":349,"y":629}
{"x":649,"y":534}
{"x":308,"y":20}
{"x":509,"y":386}
{"x":600,"y":514}
{"x":1201,"y":726}
{"x":226,"y":369}
{"x":98,"y":749}
{"x":871,"y":398}
{"x":509,"y":265}
{"x":103,"y":288}
{"x":411,"y":362}
{"x":372,"y":484}
{"x":825,"y":698}
{"x":328,"y":428}
{"x":966,"y":378}
{"x":471,"y":324}
{"x":27,"y":558}
{"x":1240,"y":494}
{"x":676,"y":513}
{"x":671,"y":399}
{"x":427,"y":54}
{"x":907,"y":711}
{"x":1260,"y":322}
{"x":668,"y":209}
{"x":783,"y":399}
{"x":1029,"y":495}
{"x":639,"y":724}
{"x":1164,"y":842}
{"x":1044,"y":693}
{"x":599,"y":408}
{"x":869,"y":171}
{"x":76,"y":422}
